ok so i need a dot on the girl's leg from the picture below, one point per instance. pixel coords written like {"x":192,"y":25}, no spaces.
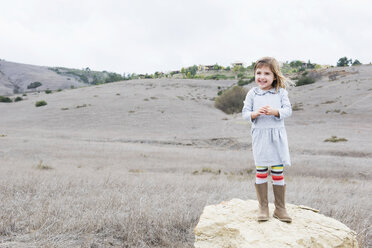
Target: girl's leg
{"x":277,"y":174}
{"x":261,"y":190}
{"x":261,"y":174}
{"x":279,"y":189}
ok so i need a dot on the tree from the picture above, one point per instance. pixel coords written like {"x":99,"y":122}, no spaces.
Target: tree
{"x":236,"y":68}
{"x":309,"y":65}
{"x":356,"y":62}
{"x":343,"y":62}
{"x":295,"y":63}
{"x":192,"y":69}
{"x":251,"y":67}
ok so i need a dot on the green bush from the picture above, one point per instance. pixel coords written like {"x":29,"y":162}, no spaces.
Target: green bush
{"x":231,"y":100}
{"x":305,"y":80}
{"x":216,"y":77}
{"x":113,"y":77}
{"x":18,"y":98}
{"x":5,"y":99}
{"x":334,"y":139}
{"x":242,"y":82}
{"x":48,"y":91}
{"x":34,"y":85}
{"x":40,"y":103}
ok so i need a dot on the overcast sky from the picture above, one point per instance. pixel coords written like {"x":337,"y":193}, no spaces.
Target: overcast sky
{"x":147,"y":36}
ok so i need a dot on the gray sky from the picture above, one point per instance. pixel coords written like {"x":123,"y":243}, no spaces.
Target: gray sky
{"x":147,"y":36}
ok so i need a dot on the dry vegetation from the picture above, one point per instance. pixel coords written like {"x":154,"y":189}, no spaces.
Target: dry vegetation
{"x":120,"y":171}
{"x":46,"y":209}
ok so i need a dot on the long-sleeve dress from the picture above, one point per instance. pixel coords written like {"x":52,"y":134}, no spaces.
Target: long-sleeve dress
{"x":269,"y":136}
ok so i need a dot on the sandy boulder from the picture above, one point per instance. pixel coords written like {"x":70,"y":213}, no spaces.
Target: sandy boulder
{"x":233,"y":224}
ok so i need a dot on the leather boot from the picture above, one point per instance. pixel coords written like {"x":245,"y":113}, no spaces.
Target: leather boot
{"x":280,"y":211}
{"x":263,"y":212}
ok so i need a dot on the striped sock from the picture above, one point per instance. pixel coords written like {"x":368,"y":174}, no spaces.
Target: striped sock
{"x":261,"y":174}
{"x":277,"y":174}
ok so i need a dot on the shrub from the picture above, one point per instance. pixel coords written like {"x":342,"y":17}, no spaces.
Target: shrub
{"x":231,"y":100}
{"x":18,"y":98}
{"x":34,"y":85}
{"x":305,"y":80}
{"x":216,"y":77}
{"x":295,"y":63}
{"x":297,"y":106}
{"x":334,"y":139}
{"x":40,"y":103}
{"x":192,"y":69}
{"x":48,"y":91}
{"x":41,"y":166}
{"x":113,"y":77}
{"x":242,"y":82}
{"x":5,"y":99}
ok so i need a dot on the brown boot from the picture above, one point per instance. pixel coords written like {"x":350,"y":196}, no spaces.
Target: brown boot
{"x":280,"y":211}
{"x":263,"y":212}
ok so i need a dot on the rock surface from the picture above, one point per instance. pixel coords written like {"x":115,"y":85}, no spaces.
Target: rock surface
{"x":233,"y":224}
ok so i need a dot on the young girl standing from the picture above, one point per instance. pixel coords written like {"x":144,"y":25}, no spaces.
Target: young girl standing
{"x":266,"y":106}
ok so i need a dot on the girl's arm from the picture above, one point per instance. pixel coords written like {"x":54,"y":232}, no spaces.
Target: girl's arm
{"x":247,"y":111}
{"x":286,"y":108}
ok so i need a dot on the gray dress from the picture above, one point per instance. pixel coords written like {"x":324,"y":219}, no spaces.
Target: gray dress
{"x":269,"y":137}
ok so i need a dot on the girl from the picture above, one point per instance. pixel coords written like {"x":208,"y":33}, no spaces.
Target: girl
{"x":266,"y":106}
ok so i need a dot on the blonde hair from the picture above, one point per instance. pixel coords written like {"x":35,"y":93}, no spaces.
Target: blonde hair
{"x":280,"y":81}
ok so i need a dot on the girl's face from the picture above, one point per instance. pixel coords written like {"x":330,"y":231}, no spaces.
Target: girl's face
{"x":264,"y":77}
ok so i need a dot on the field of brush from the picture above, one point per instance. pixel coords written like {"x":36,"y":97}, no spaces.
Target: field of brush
{"x":132,"y":164}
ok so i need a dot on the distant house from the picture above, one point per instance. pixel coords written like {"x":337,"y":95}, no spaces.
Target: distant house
{"x":206,"y":68}
{"x":237,"y":64}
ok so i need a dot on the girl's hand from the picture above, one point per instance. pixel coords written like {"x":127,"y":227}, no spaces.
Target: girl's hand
{"x":268,"y":110}
{"x":260,"y":111}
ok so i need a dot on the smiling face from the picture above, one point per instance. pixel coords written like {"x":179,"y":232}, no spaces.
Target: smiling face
{"x":264,"y":77}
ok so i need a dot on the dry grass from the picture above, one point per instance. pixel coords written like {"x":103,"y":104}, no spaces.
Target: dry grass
{"x":42,"y":166}
{"x":79,"y":209}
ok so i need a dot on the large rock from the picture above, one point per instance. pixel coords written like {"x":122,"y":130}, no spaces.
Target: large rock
{"x":233,"y":224}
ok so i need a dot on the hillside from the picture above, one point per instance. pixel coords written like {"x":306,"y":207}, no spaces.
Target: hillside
{"x":16,"y":78}
{"x":136,"y":161}
{"x":182,"y":112}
